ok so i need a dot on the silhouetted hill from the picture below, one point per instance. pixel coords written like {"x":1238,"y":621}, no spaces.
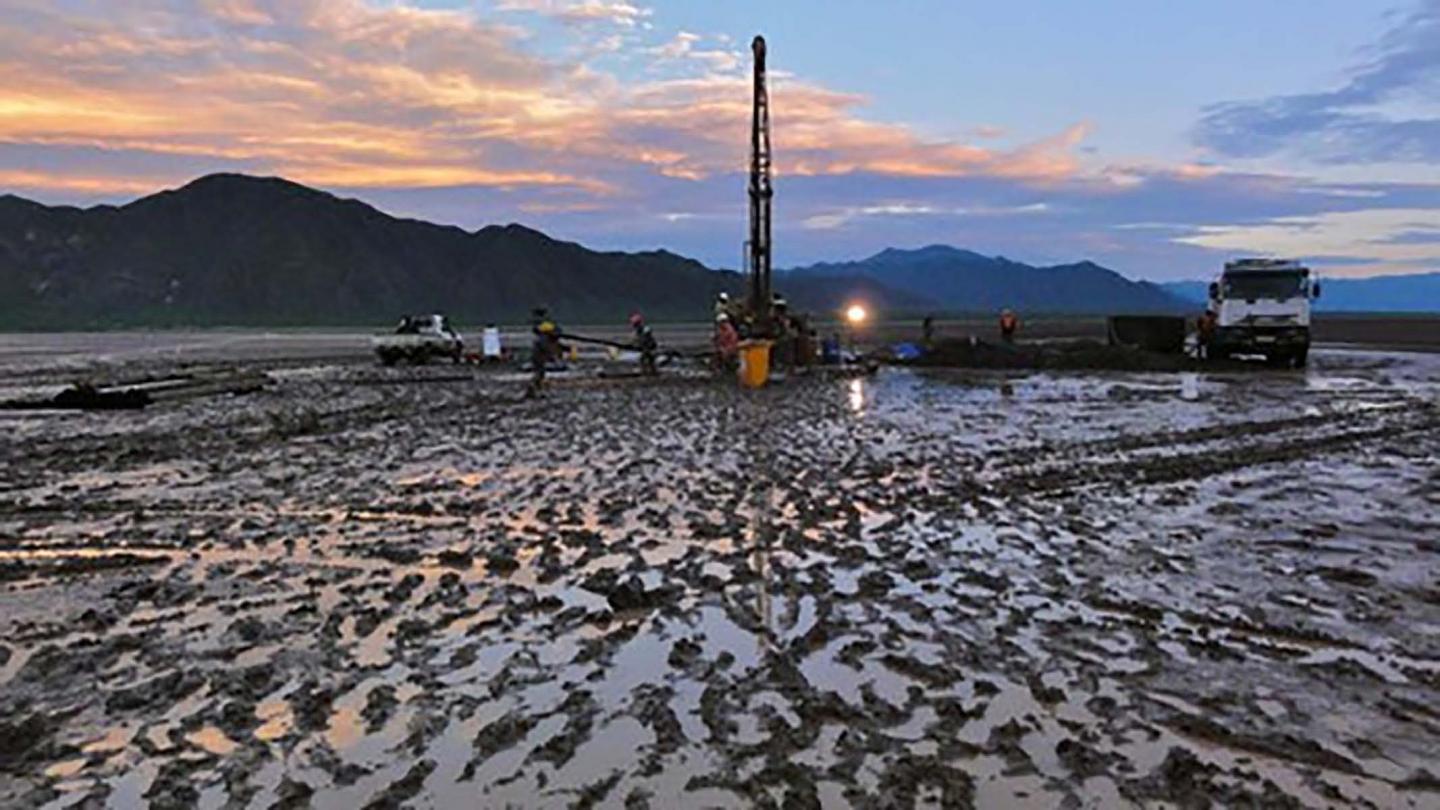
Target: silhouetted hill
{"x":1419,"y":292}
{"x":232,"y":249}
{"x":955,"y":280}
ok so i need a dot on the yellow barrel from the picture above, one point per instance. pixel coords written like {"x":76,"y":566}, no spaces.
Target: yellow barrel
{"x":754,"y":363}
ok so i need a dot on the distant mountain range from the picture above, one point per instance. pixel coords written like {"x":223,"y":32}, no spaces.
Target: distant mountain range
{"x":951,"y":279}
{"x":231,"y":249}
{"x":237,"y":250}
{"x":1419,"y":292}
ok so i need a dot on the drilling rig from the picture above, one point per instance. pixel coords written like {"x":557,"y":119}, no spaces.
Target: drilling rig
{"x":758,"y":300}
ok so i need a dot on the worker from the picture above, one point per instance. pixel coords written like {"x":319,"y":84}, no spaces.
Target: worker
{"x":1205,"y":334}
{"x":805,"y":343}
{"x":1009,"y":325}
{"x":544,"y":347}
{"x":645,"y":343}
{"x":727,"y":343}
{"x":779,"y":308}
{"x":927,"y":331}
{"x":782,"y":348}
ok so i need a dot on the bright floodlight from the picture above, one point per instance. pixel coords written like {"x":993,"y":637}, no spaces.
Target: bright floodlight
{"x":856,"y":314}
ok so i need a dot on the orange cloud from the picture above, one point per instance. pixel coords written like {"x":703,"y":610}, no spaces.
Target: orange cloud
{"x":354,"y":93}
{"x":89,"y":184}
{"x":244,"y":12}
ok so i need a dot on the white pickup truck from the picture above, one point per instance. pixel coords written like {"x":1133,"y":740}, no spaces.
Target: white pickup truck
{"x":1262,"y":306}
{"x":417,"y":339}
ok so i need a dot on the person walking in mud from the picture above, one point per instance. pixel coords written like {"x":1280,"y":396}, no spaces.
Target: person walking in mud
{"x":782,"y":352}
{"x":1204,"y":334}
{"x":805,"y":343}
{"x":927,"y":331}
{"x":544,"y":347}
{"x":646,"y":344}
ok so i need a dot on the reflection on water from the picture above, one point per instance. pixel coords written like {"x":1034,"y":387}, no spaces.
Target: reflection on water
{"x":857,"y":395}
{"x":344,"y":729}
{"x":114,"y":740}
{"x":279,"y":720}
{"x":65,"y":769}
{"x":761,"y":530}
{"x":213,"y":740}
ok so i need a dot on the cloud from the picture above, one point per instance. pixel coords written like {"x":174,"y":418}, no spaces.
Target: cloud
{"x":1387,"y":112}
{"x":85,"y":185}
{"x":846,"y":216}
{"x":244,"y":12}
{"x":682,"y":47}
{"x":369,"y":94}
{"x":582,"y":12}
{"x":1372,"y":238}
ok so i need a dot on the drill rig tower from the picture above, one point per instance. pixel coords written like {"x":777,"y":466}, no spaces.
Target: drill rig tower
{"x":760,"y":194}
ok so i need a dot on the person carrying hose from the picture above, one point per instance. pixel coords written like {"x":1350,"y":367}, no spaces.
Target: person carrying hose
{"x":544,"y":347}
{"x":645,"y":342}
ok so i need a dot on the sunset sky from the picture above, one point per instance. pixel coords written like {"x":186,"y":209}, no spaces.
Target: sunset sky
{"x":1156,"y":138}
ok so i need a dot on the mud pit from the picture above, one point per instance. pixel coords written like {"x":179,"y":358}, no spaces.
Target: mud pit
{"x":923,"y":588}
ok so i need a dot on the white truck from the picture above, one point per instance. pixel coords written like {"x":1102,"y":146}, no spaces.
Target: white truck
{"x":1262,"y":306}
{"x":417,"y":339}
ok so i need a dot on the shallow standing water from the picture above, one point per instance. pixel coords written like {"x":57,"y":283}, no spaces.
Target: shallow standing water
{"x":393,"y":587}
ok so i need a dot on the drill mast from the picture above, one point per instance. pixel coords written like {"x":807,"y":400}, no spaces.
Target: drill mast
{"x":760,"y":194}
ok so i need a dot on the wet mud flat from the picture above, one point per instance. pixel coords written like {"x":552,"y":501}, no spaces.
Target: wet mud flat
{"x":923,"y":588}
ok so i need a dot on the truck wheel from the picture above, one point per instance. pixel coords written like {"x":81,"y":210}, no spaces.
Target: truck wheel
{"x":1302,"y":356}
{"x":388,"y":358}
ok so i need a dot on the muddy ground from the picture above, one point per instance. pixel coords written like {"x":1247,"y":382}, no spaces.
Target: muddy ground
{"x":373,"y":587}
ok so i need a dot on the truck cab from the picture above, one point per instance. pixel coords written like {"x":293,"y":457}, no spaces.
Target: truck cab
{"x":1262,"y":306}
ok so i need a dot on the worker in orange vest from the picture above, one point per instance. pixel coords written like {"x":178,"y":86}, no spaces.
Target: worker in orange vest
{"x":1009,"y":324}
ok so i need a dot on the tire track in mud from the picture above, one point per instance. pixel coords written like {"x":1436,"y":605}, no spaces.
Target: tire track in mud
{"x":254,"y":428}
{"x":1145,"y":441}
{"x":1091,"y":464}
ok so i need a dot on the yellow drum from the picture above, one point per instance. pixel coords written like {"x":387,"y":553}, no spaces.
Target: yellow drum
{"x":754,"y":363}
